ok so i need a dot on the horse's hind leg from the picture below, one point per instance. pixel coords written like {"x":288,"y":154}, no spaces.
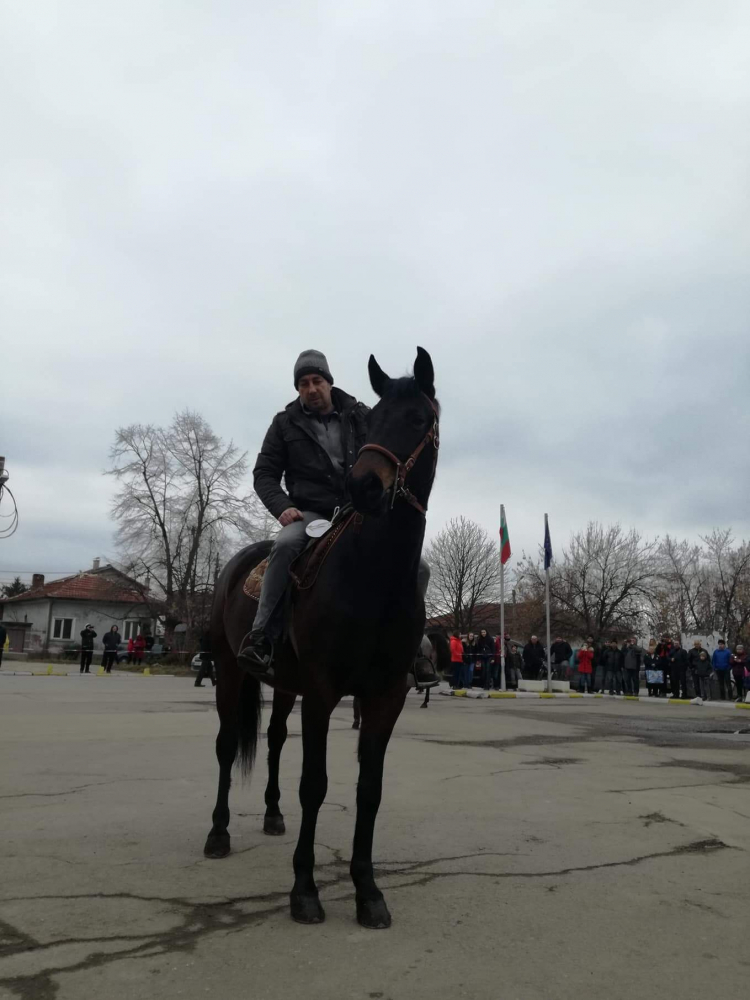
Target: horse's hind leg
{"x":379,"y":716}
{"x":273,"y":821}
{"x":217,"y":842}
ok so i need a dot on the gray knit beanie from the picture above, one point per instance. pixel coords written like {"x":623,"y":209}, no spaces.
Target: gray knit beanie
{"x":311,"y":363}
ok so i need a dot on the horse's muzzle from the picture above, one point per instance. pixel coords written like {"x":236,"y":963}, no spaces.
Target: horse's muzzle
{"x":367,"y":493}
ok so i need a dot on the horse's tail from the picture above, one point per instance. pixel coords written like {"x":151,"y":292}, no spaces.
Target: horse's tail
{"x":239,"y":697}
{"x":249,"y":709}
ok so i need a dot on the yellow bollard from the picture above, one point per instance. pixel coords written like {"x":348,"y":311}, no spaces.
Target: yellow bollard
{"x":147,"y":672}
{"x":50,"y":670}
{"x":100,"y":672}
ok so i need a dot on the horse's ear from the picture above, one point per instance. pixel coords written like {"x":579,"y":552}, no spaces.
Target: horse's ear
{"x":378,"y":378}
{"x":424,"y":373}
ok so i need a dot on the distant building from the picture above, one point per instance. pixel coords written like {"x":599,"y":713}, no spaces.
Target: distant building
{"x":51,"y":616}
{"x":522,"y":618}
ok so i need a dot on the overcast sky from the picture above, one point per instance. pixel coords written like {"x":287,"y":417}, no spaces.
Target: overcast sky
{"x":551,"y":196}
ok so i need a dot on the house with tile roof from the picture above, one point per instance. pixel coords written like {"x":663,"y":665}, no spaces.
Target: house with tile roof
{"x":51,"y":616}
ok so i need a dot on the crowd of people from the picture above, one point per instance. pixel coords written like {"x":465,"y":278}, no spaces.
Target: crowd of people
{"x":603,"y":667}
{"x":136,"y":647}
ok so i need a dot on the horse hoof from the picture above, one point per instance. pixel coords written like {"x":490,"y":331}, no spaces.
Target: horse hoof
{"x":373,"y":914}
{"x":306,"y":909}
{"x":274,"y":826}
{"x":355,"y":725}
{"x":217,"y":845}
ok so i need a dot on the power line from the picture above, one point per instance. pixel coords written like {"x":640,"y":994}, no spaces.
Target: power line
{"x":6,"y":530}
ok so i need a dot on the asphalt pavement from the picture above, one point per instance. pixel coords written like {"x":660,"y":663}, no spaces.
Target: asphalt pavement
{"x":528,"y":849}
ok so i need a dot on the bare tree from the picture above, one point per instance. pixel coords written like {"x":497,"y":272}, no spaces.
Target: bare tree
{"x":604,"y":583}
{"x":706,"y":587}
{"x":180,"y":508}
{"x":465,"y":565}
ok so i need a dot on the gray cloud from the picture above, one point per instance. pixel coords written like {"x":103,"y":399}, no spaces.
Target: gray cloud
{"x":551,"y":198}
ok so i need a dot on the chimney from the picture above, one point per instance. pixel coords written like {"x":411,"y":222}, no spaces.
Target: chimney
{"x":96,"y":562}
{"x":37,"y":580}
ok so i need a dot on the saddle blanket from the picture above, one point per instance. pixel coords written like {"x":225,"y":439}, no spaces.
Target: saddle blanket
{"x":254,"y":581}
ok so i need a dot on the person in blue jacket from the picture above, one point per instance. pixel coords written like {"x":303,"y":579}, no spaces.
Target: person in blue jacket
{"x":720,"y":661}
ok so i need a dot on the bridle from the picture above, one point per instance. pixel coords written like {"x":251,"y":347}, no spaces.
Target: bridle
{"x":399,"y":488}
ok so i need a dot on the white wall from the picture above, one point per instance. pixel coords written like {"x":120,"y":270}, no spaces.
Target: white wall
{"x":101,"y":617}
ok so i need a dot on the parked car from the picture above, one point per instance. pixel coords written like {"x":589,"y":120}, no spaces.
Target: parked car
{"x":196,"y":663}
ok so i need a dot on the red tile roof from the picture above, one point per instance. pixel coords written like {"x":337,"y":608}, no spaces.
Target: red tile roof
{"x":90,"y":586}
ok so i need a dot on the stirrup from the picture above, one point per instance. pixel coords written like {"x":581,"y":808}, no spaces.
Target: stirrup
{"x":251,"y":662}
{"x":425,"y":675}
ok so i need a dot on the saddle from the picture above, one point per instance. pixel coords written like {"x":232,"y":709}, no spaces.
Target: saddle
{"x":304,"y":573}
{"x":306,"y":567}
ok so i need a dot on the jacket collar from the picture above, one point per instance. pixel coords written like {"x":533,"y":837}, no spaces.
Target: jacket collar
{"x":343,"y":403}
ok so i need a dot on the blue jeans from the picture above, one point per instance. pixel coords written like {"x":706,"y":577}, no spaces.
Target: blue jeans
{"x":468,"y":673}
{"x":458,"y":674}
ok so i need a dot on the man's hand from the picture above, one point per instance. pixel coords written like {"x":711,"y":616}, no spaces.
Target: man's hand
{"x":290,"y":515}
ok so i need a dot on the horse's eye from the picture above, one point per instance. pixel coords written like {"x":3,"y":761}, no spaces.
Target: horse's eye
{"x":415,"y":418}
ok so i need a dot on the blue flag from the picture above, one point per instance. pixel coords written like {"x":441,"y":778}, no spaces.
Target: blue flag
{"x":547,"y":546}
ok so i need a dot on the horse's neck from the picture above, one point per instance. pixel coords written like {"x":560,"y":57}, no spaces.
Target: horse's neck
{"x":383,"y":554}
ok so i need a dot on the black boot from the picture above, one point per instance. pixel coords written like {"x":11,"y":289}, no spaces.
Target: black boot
{"x":256,"y":656}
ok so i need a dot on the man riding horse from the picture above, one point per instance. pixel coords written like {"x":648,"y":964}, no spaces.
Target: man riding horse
{"x":355,"y":620}
{"x":313,"y":444}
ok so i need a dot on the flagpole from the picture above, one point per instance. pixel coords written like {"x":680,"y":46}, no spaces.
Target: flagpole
{"x":546,"y":595}
{"x":503,"y":686}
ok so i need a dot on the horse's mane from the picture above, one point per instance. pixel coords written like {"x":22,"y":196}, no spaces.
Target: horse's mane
{"x":405,"y":388}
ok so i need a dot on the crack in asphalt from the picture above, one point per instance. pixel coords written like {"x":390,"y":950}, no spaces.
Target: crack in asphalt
{"x":78,"y":788}
{"x":226,"y":915}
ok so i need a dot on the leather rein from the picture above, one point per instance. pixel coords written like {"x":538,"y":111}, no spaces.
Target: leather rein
{"x":399,"y":488}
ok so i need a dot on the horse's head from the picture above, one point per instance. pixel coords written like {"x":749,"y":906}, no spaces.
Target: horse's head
{"x":397,"y":464}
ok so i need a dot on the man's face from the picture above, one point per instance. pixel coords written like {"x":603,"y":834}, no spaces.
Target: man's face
{"x":534,"y":639}
{"x":315,"y":393}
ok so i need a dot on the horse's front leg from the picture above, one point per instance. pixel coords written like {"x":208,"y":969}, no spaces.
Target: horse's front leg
{"x":379,"y":716}
{"x":304,"y":901}
{"x":273,"y":821}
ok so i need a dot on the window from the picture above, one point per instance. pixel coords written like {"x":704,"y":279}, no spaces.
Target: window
{"x":62,"y":628}
{"x":132,"y":628}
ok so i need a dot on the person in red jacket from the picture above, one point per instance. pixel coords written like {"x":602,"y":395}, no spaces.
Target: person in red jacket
{"x":139,"y":647}
{"x":457,"y":660}
{"x":131,"y":650}
{"x":584,"y":660}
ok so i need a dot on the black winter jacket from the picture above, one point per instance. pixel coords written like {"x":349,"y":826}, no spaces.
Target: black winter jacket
{"x":290,"y":449}
{"x":611,"y":659}
{"x":678,"y":658}
{"x":87,"y":638}
{"x":111,"y":640}
{"x":485,"y":645}
{"x":534,"y":654}
{"x":560,"y":651}
{"x":694,"y":656}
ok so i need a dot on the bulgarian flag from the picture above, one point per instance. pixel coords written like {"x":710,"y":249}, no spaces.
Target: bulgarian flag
{"x":504,"y":538}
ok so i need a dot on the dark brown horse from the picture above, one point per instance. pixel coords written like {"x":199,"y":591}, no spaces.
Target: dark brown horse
{"x":365,"y":597}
